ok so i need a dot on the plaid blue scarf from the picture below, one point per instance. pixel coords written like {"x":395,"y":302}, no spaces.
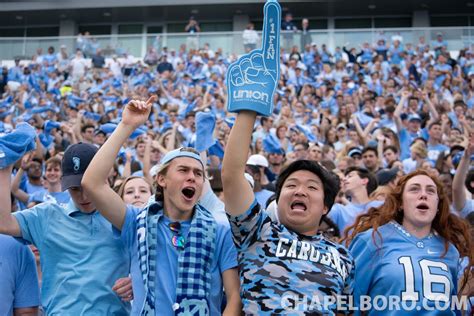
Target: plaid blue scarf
{"x":194,"y":262}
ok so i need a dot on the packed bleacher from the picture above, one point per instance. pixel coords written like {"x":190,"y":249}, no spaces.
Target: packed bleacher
{"x":386,"y":95}
{"x":369,"y":112}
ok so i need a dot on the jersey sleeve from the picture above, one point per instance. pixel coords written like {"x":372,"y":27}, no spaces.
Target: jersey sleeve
{"x":363,"y":251}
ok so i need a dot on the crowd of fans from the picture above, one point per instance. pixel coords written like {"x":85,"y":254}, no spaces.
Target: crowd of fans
{"x":370,"y":114}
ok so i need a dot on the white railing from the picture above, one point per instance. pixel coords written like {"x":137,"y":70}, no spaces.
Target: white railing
{"x":230,"y":42}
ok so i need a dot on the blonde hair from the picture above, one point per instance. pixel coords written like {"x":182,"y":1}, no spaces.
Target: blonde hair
{"x":420,"y":149}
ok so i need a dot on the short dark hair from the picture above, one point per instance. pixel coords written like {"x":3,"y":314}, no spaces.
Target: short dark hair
{"x":364,"y":174}
{"x":438,"y":122}
{"x":330,"y":181}
{"x":86,"y":126}
{"x":304,"y":144}
{"x":38,"y":160}
{"x":392,"y":148}
{"x":459,"y":103}
{"x":368,"y":148}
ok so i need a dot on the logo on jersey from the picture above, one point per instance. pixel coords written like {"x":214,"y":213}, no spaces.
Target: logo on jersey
{"x":302,"y":250}
{"x":76,"y":161}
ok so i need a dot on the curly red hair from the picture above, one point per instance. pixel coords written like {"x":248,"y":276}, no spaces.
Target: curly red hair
{"x":449,"y":226}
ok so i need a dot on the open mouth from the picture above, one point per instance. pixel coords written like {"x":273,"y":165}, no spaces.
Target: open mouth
{"x":189,"y":192}
{"x":423,"y":206}
{"x":298,"y":205}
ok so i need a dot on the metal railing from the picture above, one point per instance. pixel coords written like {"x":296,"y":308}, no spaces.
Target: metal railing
{"x":230,"y":42}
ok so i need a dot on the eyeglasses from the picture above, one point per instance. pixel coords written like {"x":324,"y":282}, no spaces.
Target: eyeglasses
{"x":178,"y":240}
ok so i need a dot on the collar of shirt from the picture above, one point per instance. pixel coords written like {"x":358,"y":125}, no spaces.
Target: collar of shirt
{"x":73,"y":211}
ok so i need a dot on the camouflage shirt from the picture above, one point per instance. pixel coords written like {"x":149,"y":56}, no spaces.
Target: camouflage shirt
{"x":282,"y":272}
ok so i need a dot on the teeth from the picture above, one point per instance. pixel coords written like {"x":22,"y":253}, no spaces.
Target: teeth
{"x":298,"y":205}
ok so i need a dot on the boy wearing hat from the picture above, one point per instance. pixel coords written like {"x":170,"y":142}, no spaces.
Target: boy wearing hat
{"x":181,"y":257}
{"x":79,"y":254}
{"x":412,"y":131}
{"x":256,"y":166}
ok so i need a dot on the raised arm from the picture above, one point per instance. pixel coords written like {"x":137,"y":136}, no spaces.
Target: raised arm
{"x":237,"y":191}
{"x":459,"y":190}
{"x":127,"y":168}
{"x":398,"y":110}
{"x":8,"y":223}
{"x":94,"y":182}
{"x":146,"y":159}
{"x":432,"y":109}
{"x":21,"y":195}
{"x":359,"y":129}
{"x":251,"y":83}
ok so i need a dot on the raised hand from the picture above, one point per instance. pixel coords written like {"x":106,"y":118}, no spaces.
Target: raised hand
{"x":26,"y":160}
{"x":470,"y":147}
{"x":251,"y":80}
{"x":136,"y":112}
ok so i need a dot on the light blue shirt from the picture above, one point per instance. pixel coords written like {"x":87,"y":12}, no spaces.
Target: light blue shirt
{"x":19,"y":281}
{"x":406,"y":138}
{"x":434,"y":151}
{"x":263,"y":196}
{"x":225,"y":258}
{"x":54,"y":197}
{"x":468,"y":208}
{"x":212,"y":203}
{"x":80,"y":259}
{"x":345,"y":215}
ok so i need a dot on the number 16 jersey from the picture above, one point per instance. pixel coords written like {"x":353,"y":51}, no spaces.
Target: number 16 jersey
{"x":409,"y":271}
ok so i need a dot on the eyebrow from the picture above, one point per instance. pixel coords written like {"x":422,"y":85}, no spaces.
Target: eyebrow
{"x":310,"y":180}
{"x":189,"y":167}
{"x":419,"y":185}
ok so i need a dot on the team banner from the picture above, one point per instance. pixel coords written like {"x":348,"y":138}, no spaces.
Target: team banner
{"x":252,"y":79}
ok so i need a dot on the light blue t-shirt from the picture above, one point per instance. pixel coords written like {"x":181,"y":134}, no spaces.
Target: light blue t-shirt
{"x":468,"y":208}
{"x":434,"y":151}
{"x":263,"y":196}
{"x":54,"y":197}
{"x":406,"y":138}
{"x":211,"y":202}
{"x":32,"y":188}
{"x":225,"y":258}
{"x":345,"y":215}
{"x":80,"y":259}
{"x":18,"y":278}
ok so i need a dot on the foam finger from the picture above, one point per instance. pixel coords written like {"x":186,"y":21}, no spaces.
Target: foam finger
{"x":245,"y":63}
{"x":271,"y":34}
{"x":236,"y":76}
{"x":257,"y":61}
